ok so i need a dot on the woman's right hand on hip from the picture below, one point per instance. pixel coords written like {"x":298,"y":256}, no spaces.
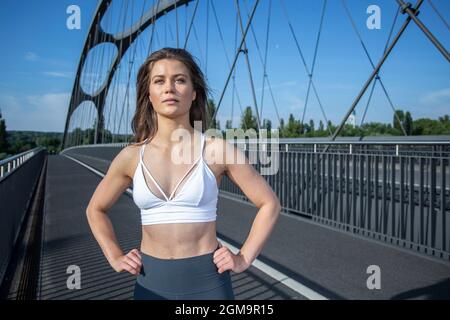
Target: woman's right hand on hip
{"x":130,"y":262}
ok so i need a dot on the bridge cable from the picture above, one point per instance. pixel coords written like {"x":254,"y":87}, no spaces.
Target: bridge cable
{"x":235,"y":92}
{"x":120,"y":50}
{"x":92,"y":87}
{"x":373,"y":74}
{"x":226,"y":53}
{"x":206,"y":41}
{"x":236,"y":57}
{"x":266,"y":50}
{"x":191,"y":23}
{"x":107,"y":124}
{"x":372,"y":64}
{"x":194,"y":29}
{"x":234,"y":77}
{"x":376,"y":79}
{"x":264,"y":61}
{"x":176,"y":22}
{"x":245,"y":50}
{"x":130,"y":65}
{"x":114,"y":95}
{"x":312,"y":69}
{"x":103,"y":71}
{"x":439,"y":14}
{"x":150,"y":43}
{"x":303,"y":59}
{"x":115,"y":83}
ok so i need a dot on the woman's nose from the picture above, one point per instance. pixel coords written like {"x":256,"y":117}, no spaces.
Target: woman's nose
{"x":169,"y":87}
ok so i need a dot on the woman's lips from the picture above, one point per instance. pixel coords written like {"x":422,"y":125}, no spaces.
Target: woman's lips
{"x":170,"y":101}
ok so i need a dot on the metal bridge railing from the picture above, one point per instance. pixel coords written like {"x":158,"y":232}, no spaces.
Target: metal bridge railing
{"x":19,"y":177}
{"x":395,"y":190}
{"x":400,"y":198}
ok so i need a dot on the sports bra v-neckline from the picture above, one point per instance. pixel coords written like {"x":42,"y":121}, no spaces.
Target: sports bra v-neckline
{"x":173,"y":194}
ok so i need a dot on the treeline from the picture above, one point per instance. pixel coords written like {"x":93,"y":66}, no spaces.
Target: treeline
{"x":402,"y":123}
{"x":14,"y":142}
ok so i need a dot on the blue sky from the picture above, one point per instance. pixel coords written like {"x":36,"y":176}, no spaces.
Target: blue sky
{"x":40,"y":56}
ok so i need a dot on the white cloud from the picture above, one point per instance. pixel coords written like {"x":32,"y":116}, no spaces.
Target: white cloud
{"x":31,"y":56}
{"x":45,"y":112}
{"x":58,"y":74}
{"x":338,"y":86}
{"x":436,"y":97}
{"x":279,"y":85}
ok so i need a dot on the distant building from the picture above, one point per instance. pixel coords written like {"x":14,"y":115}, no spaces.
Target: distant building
{"x":352,"y":119}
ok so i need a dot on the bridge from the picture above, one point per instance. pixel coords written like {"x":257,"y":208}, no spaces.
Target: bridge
{"x":362,"y":217}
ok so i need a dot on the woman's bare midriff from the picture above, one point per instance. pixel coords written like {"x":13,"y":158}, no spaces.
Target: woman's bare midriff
{"x":179,"y":240}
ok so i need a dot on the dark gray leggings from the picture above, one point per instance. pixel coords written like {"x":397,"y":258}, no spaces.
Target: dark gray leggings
{"x":193,"y":278}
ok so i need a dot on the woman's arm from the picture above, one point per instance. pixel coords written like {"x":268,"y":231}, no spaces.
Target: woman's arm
{"x":115,"y":182}
{"x":259,"y":192}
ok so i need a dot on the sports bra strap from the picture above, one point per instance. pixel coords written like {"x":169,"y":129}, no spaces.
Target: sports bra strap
{"x":141,"y":160}
{"x":202,"y":144}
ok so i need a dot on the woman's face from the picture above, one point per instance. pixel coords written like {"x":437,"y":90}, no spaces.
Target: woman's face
{"x":171,"y":88}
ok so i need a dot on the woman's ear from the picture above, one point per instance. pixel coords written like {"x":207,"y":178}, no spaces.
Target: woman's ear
{"x":195,"y":96}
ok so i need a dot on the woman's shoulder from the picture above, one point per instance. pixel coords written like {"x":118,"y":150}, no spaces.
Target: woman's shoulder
{"x":220,"y":151}
{"x":128,"y":158}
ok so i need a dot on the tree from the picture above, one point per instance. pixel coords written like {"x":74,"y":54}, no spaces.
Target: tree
{"x":248,"y":121}
{"x":330,"y":126}
{"x":444,"y":119}
{"x":4,"y":145}
{"x":267,"y":124}
{"x":396,"y":124}
{"x":311,"y":125}
{"x":281,"y":124}
{"x":321,"y":127}
{"x":211,"y":109}
{"x":408,"y":123}
{"x":292,"y":129}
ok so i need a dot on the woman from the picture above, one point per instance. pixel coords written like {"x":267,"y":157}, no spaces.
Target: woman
{"x":180,"y":256}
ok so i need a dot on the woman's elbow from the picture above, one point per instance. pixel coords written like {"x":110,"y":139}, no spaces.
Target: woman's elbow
{"x":275,"y":206}
{"x":92,"y":212}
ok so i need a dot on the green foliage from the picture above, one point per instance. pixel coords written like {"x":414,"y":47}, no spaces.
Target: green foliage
{"x":21,"y":141}
{"x":4,"y":144}
{"x":248,"y":120}
{"x":432,"y":127}
{"x":211,"y":109}
{"x":295,"y":129}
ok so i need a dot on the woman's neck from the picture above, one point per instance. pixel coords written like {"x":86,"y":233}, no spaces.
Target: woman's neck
{"x":166,"y":133}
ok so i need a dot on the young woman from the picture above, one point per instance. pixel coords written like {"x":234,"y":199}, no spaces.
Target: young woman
{"x":180,"y":256}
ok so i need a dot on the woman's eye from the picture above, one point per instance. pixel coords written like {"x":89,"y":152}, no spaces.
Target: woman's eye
{"x":182,"y":80}
{"x":158,"y":81}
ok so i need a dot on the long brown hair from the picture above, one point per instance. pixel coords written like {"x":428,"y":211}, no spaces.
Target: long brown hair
{"x":145,"y":122}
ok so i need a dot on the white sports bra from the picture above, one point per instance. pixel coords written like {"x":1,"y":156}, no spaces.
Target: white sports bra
{"x":195,"y":202}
